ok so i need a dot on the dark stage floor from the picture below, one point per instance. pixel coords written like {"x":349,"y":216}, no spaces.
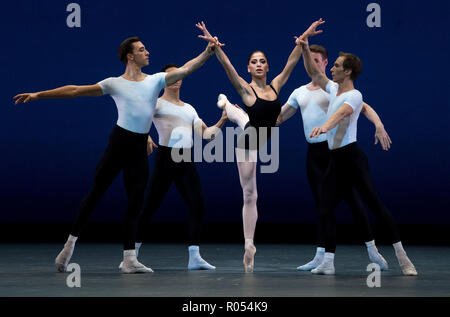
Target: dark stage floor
{"x":28,"y":270}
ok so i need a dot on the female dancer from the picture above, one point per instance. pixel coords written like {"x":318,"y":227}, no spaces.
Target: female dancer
{"x":263,"y":107}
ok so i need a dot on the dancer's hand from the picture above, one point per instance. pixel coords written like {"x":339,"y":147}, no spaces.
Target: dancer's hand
{"x":25,"y":97}
{"x":317,"y":131}
{"x":311,"y":31}
{"x":382,"y":136}
{"x":279,"y":121}
{"x":207,"y":36}
{"x":150,"y":145}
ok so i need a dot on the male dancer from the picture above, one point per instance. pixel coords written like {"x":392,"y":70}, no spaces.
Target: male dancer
{"x":313,"y":103}
{"x":135,"y":95}
{"x":349,"y":165}
{"x":174,"y":120}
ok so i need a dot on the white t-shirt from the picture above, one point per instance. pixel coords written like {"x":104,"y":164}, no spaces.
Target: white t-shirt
{"x":345,"y":132}
{"x":174,"y":123}
{"x":313,"y":105}
{"x":135,"y":100}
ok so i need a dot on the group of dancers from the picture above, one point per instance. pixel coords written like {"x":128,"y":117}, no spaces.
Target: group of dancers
{"x":337,"y":169}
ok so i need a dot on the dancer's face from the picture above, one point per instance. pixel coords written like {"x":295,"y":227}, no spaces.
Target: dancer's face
{"x":175,"y":85}
{"x":140,"y":54}
{"x":321,"y":64}
{"x":258,"y":66}
{"x":338,"y":71}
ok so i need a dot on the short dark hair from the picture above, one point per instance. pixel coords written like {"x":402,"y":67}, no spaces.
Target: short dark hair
{"x":353,"y":63}
{"x":315,"y":48}
{"x":126,"y":47}
{"x":168,"y":66}
{"x":257,"y":51}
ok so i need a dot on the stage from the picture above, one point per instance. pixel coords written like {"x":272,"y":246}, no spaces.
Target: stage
{"x":27,"y":270}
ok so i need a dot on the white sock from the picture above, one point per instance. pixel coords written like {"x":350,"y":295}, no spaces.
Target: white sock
{"x":137,"y":245}
{"x":318,"y":258}
{"x":398,"y":247}
{"x":196,"y":262}
{"x":63,"y":258}
{"x":132,"y":265}
{"x":327,"y":265}
{"x":72,"y":238}
{"x":375,"y":256}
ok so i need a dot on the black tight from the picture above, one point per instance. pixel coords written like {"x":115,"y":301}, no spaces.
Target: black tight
{"x":126,"y":151}
{"x":187,"y":181}
{"x":349,"y":168}
{"x":317,"y":162}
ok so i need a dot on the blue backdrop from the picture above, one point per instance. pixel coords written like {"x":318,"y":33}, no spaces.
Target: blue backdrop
{"x":50,"y":147}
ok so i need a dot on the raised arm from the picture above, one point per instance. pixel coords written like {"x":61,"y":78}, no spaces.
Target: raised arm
{"x":241,"y":86}
{"x":279,"y":81}
{"x":190,"y":66}
{"x":316,"y":75}
{"x":380,"y":133}
{"x":286,"y":112}
{"x":70,"y":91}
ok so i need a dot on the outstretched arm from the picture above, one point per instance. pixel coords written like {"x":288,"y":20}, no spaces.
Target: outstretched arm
{"x":190,"y":66}
{"x":380,"y":133}
{"x":241,"y":86}
{"x":279,"y":81}
{"x":70,"y":91}
{"x":287,"y":111}
{"x":209,"y":133}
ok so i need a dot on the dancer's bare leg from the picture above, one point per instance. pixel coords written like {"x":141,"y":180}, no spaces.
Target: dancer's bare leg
{"x":246,"y":161}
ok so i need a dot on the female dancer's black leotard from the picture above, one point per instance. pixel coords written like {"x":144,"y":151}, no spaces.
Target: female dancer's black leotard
{"x":263,"y":114}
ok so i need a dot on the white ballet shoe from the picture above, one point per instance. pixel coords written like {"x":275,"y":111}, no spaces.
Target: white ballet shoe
{"x":378,"y":259}
{"x":64,"y":257}
{"x":222,"y":101}
{"x":406,"y":264}
{"x":324,"y":269}
{"x":133,"y":267}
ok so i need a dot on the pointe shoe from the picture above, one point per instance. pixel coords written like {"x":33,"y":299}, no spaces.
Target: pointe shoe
{"x":249,"y":258}
{"x":222,"y":100}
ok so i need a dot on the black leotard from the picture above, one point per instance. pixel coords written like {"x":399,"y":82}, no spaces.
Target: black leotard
{"x":263,"y":114}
